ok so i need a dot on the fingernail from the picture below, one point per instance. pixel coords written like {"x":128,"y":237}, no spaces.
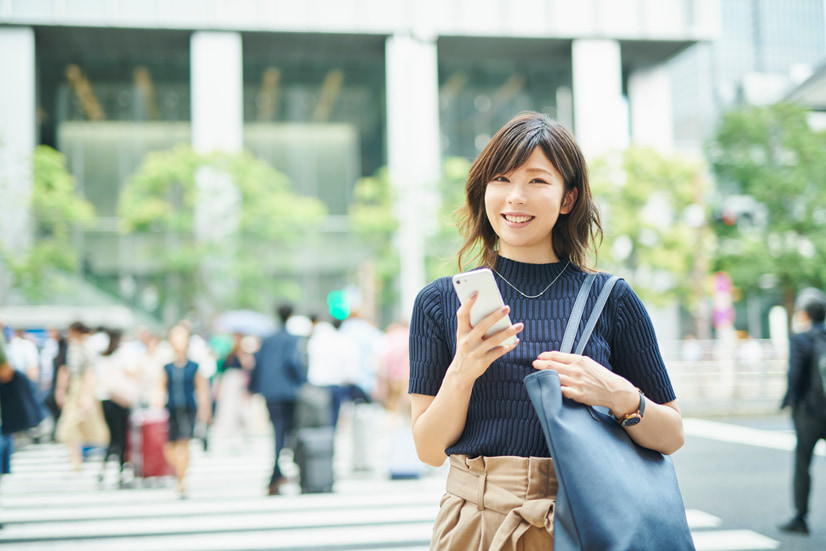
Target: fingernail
{"x":473,"y":294}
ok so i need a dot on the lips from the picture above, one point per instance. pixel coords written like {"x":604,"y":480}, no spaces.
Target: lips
{"x":517,"y":218}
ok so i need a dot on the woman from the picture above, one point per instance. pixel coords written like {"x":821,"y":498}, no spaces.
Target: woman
{"x":81,"y":419}
{"x":529,"y":216}
{"x":232,"y":411}
{"x":187,"y":397}
{"x":118,"y":391}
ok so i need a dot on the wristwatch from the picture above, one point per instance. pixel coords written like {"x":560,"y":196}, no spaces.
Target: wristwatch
{"x":634,"y":417}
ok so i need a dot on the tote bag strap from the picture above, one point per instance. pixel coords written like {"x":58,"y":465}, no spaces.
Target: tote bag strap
{"x":579,"y":307}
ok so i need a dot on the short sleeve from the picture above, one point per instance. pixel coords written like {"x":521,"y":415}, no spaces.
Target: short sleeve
{"x":430,"y":353}
{"x":635,"y":353}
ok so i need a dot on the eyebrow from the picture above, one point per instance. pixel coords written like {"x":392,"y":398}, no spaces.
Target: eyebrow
{"x":543,"y":170}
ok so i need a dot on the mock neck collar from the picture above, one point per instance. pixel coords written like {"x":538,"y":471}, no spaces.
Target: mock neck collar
{"x":526,"y":273}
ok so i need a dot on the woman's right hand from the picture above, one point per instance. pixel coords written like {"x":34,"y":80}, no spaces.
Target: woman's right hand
{"x":474,"y":351}
{"x":438,"y":421}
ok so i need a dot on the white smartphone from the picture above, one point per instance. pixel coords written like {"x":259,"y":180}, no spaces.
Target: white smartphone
{"x":489,"y":300}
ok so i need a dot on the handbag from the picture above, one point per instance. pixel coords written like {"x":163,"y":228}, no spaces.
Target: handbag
{"x":20,"y":406}
{"x":614,"y":495}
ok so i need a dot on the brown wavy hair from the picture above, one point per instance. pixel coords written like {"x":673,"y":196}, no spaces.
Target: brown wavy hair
{"x":575,"y":236}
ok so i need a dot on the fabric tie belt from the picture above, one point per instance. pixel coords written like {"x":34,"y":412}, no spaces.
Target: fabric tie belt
{"x":520,"y":514}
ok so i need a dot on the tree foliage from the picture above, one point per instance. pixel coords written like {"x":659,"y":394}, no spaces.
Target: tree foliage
{"x":56,"y":210}
{"x":647,"y":200}
{"x":162,"y":198}
{"x":771,"y":156}
{"x":375,"y":222}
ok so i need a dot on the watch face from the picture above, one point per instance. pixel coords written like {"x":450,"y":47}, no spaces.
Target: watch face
{"x":631,"y":421}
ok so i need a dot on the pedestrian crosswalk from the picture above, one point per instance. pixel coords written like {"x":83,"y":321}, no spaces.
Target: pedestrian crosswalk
{"x":45,"y":506}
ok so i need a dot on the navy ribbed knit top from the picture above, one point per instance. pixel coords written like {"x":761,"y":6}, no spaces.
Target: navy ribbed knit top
{"x":501,"y":419}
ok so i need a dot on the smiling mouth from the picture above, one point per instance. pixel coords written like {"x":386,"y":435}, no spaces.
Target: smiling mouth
{"x":517,"y":219}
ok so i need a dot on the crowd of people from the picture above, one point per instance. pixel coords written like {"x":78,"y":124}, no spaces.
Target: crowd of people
{"x":93,"y":380}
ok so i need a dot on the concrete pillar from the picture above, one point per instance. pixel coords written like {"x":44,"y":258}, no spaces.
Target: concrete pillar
{"x":217,"y":125}
{"x":413,"y":150}
{"x":18,"y":127}
{"x":649,"y":98}
{"x":217,"y":91}
{"x":600,"y":112}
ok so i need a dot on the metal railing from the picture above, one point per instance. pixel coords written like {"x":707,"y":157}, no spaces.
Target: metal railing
{"x":718,"y":378}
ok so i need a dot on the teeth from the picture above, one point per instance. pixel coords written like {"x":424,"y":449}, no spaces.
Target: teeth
{"x":517,"y":219}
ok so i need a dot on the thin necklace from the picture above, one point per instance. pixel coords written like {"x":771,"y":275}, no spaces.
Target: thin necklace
{"x":543,"y":290}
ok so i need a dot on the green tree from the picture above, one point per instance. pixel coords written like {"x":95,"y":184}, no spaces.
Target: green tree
{"x":441,"y":249}
{"x":374,"y":221}
{"x":56,"y":211}
{"x":653,"y":216}
{"x":160,"y":200}
{"x":771,"y":173}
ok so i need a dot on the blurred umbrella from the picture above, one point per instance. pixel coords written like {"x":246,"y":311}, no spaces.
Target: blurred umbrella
{"x":247,"y":322}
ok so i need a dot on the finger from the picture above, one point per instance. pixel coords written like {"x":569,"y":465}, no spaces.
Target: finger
{"x":572,"y":393}
{"x":463,"y":313}
{"x":500,"y":338}
{"x":491,"y":319}
{"x":552,"y":364}
{"x":558,"y":356}
{"x":498,"y":351}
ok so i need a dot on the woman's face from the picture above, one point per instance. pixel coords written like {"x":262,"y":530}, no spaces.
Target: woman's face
{"x":179,"y":339}
{"x":523,"y":206}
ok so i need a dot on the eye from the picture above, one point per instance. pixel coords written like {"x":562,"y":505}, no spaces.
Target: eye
{"x":499,"y":179}
{"x":539,"y":181}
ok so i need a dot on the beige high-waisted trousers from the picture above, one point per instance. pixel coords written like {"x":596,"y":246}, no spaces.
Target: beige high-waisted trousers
{"x":497,"y":504}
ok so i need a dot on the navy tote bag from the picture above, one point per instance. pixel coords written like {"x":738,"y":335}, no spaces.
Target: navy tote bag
{"x":614,"y":495}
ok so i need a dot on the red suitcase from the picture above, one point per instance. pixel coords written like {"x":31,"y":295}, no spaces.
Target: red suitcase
{"x":148,"y":432}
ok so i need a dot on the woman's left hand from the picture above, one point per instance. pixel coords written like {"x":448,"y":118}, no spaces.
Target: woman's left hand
{"x":588,"y":382}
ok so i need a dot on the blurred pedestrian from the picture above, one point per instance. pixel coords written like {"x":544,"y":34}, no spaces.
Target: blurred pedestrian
{"x":370,"y":341}
{"x":156,"y":354}
{"x":51,"y":397}
{"x":23,"y":355}
{"x":187,"y":399}
{"x":805,"y":395}
{"x":48,"y":353}
{"x":334,"y":364}
{"x":118,"y":391}
{"x":278,"y":374}
{"x":6,"y":374}
{"x":232,"y":407}
{"x":395,"y":368}
{"x":81,"y":419}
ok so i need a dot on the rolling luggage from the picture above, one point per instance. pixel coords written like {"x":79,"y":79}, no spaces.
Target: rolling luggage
{"x":314,"y":457}
{"x":367,"y":420}
{"x":148,"y":432}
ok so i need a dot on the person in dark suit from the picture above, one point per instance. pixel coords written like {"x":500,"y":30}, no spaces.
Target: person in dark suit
{"x":278,"y":374}
{"x":805,"y":396}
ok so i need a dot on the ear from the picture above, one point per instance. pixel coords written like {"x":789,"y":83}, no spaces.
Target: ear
{"x":569,"y":201}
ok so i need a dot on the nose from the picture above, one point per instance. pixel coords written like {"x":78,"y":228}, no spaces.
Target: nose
{"x":516,"y":194}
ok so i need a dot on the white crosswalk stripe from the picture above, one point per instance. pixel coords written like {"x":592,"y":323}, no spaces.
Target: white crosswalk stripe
{"x":44,"y":506}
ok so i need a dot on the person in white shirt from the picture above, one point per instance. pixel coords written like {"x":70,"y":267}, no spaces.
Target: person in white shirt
{"x":334,"y":363}
{"x":23,"y":356}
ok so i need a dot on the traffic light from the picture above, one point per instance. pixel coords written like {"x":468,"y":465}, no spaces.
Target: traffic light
{"x":338,"y":304}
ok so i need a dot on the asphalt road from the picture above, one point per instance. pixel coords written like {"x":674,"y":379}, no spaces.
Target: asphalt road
{"x":750,"y":486}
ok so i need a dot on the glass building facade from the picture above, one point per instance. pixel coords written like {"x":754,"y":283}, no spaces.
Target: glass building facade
{"x":763,"y":50}
{"x":329,"y":95}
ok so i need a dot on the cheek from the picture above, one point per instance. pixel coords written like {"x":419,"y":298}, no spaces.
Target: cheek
{"x":490,"y":207}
